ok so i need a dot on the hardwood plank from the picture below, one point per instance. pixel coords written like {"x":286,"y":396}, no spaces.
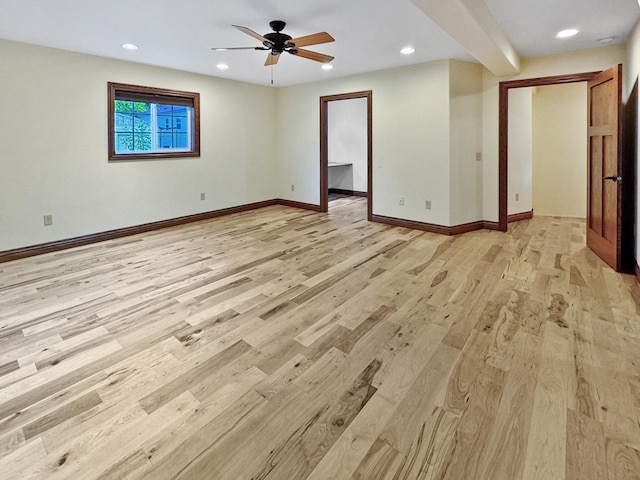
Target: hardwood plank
{"x":468,"y":368}
{"x":474,"y":429}
{"x":623,"y":462}
{"x":121,"y":441}
{"x":427,"y":457}
{"x":546,"y":444}
{"x":61,"y":414}
{"x":505,"y":453}
{"x":228,"y":405}
{"x":172,"y":460}
{"x":13,"y":466}
{"x":352,"y":446}
{"x":586,"y":458}
{"x":27,"y":385}
{"x":304,"y":449}
{"x":382,"y":462}
{"x":10,"y":442}
{"x":411,"y":418}
{"x":9,"y":367}
{"x":178,"y":385}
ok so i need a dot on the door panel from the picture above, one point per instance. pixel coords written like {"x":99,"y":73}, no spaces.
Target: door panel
{"x":611,"y":188}
{"x":605,"y":188}
{"x":595,"y":184}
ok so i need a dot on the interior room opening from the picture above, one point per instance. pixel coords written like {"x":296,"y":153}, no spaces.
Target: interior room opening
{"x":347,"y":149}
{"x":547,"y":150}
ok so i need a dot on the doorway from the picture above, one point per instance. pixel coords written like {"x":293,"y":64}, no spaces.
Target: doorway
{"x":605,"y":226}
{"x":345,"y":175}
{"x":548,"y":151}
{"x":505,"y":87}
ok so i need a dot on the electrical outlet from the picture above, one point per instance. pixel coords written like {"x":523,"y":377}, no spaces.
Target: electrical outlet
{"x":202,"y":196}
{"x":48,"y":220}
{"x":478,"y":156}
{"x":427,"y":204}
{"x":517,"y":197}
{"x":293,"y":187}
{"x":401,"y":201}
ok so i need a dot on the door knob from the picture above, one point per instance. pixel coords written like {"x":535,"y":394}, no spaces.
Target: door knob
{"x":613,"y":177}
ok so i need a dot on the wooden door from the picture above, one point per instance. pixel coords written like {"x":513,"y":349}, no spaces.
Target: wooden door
{"x":604,"y":195}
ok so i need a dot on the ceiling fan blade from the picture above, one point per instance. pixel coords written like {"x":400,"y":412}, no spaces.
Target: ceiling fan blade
{"x":253,"y":34}
{"x":221,"y":49}
{"x":272,"y":59}
{"x":313,"y":39}
{"x":318,"y":57}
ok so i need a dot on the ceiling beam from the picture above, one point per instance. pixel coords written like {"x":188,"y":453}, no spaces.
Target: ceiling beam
{"x":471,"y":24}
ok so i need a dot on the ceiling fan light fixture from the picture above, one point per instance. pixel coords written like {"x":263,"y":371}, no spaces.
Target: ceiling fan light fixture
{"x":410,"y":50}
{"x":222,"y":66}
{"x":569,"y":32}
{"x":129,"y":46}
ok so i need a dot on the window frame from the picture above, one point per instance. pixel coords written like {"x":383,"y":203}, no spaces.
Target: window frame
{"x":117,"y":90}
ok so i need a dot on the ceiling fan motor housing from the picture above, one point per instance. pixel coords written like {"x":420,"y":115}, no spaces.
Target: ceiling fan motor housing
{"x":277,"y":25}
{"x":278,"y":40}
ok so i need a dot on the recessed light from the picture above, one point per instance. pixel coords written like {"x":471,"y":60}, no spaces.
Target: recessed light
{"x":569,"y":32}
{"x":327,"y":66}
{"x":129,"y":46}
{"x":222,"y":66}
{"x":407,"y":50}
{"x":606,"y":40}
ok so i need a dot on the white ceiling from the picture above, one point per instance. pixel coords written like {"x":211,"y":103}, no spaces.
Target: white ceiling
{"x":532,"y":25}
{"x":368,"y":33}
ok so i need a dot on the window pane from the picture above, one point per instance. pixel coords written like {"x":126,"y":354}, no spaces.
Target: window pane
{"x":123,"y":106}
{"x":181,"y":140}
{"x":124,"y":122}
{"x":142,"y":123}
{"x":124,"y":142}
{"x":164,"y":109}
{"x":140,"y":107}
{"x":180,"y":124}
{"x":164,"y":123}
{"x":142,"y":142}
{"x":165,"y":140}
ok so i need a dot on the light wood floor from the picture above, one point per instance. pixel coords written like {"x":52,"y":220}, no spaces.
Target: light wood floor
{"x":286,"y":344}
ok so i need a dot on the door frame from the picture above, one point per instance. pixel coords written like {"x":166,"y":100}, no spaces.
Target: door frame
{"x":503,"y":131}
{"x":324,"y":146}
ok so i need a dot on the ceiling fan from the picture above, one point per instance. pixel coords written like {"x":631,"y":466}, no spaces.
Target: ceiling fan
{"x":277,"y":43}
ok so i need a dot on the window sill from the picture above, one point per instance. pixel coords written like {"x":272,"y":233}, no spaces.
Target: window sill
{"x":151,"y":156}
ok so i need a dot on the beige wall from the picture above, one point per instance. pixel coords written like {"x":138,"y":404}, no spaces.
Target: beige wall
{"x":53,"y":148}
{"x":560,"y":150}
{"x":466,"y":140}
{"x":427,"y":129}
{"x":410,"y":139}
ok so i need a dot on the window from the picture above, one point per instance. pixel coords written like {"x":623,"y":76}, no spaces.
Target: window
{"x":146,"y":122}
